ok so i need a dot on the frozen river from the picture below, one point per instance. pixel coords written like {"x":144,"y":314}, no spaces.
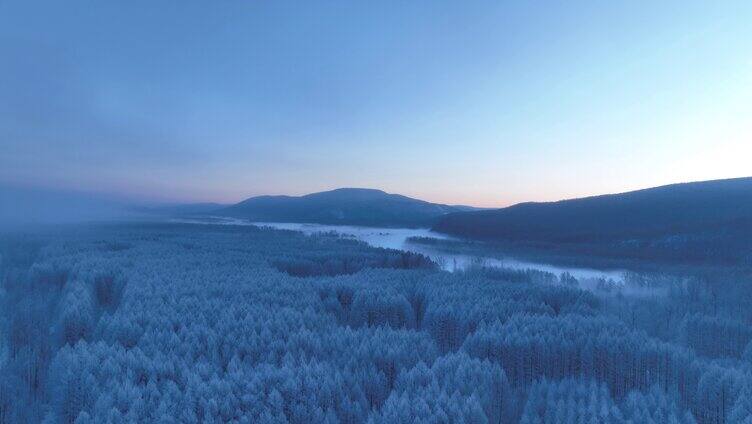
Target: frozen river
{"x":397,"y":238}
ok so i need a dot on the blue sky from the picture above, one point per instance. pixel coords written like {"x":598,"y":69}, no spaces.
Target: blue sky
{"x":485,"y":103}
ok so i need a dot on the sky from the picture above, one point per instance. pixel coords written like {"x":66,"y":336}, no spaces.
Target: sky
{"x":485,"y":103}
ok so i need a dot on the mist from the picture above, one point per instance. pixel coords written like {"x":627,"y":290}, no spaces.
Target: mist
{"x":338,"y":212}
{"x":25,"y":207}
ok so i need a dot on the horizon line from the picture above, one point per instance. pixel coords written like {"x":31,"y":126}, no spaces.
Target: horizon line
{"x":133,"y":199}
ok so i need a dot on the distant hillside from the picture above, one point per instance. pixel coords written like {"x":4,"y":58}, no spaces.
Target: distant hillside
{"x":710,"y":215}
{"x":346,"y":206}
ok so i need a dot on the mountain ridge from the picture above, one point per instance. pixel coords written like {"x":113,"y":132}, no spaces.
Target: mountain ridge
{"x":343,"y":206}
{"x":658,"y":211}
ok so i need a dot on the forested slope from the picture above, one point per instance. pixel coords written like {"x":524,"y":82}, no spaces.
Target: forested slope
{"x":702,"y":221}
{"x":177,"y":323}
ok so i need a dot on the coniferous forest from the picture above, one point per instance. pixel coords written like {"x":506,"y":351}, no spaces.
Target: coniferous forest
{"x":375,"y":212}
{"x":172,"y":323}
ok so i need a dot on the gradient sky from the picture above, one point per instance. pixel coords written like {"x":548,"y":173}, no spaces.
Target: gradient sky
{"x":485,"y":103}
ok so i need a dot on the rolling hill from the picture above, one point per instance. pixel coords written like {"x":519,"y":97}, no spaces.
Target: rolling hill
{"x":704,"y":218}
{"x":345,"y":206}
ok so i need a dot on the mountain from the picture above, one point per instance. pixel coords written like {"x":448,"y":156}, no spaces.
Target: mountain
{"x":719,"y":213}
{"x":346,"y":206}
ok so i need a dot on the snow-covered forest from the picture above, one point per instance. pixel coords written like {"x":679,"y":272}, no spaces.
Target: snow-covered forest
{"x":175,"y":323}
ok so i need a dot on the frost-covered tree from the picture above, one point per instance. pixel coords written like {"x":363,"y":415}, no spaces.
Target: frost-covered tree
{"x":181,"y":323}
